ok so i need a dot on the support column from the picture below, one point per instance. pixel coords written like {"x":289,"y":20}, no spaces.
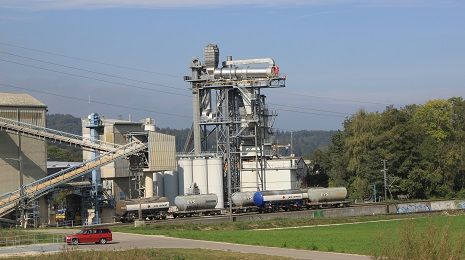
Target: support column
{"x":148,"y":177}
{"x":196,"y":119}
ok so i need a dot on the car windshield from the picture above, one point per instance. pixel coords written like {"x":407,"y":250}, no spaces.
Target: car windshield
{"x":82,"y":231}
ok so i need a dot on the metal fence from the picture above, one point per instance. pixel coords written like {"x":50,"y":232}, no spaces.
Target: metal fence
{"x":29,"y":239}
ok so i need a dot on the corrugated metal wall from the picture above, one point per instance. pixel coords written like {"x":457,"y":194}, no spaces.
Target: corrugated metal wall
{"x":162,"y":152}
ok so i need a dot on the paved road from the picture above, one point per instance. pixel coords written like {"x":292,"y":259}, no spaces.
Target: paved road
{"x":128,"y":241}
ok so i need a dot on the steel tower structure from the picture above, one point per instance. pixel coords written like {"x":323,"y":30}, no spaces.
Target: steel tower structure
{"x":230,"y":115}
{"x":95,"y":125}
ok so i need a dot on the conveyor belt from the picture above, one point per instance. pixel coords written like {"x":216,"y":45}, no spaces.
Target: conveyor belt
{"x":13,"y":126}
{"x":40,"y":187}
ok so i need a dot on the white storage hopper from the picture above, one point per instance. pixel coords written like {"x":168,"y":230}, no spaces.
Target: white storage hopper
{"x":199,"y":174}
{"x":215,"y":179}
{"x":184,"y":175}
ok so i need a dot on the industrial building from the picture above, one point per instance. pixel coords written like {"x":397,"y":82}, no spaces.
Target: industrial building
{"x":140,"y":176}
{"x":230,"y":148}
{"x":229,"y":104}
{"x":23,"y":159}
{"x":134,"y":151}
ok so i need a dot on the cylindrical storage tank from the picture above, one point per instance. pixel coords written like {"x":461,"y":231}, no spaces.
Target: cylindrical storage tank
{"x":260,"y":198}
{"x":196,"y":202}
{"x":184,"y":175}
{"x":243,"y":199}
{"x":123,"y":206}
{"x":199,"y":174}
{"x":158,"y":184}
{"x":215,"y":179}
{"x":170,"y":181}
{"x":327,"y":194}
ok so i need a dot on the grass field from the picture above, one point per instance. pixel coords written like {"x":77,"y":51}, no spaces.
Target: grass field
{"x":363,"y":238}
{"x":178,"y":254}
{"x":14,"y":237}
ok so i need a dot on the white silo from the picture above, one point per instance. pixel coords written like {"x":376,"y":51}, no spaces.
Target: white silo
{"x":170,"y":181}
{"x":199,"y":174}
{"x":215,"y":179}
{"x":184,"y":175}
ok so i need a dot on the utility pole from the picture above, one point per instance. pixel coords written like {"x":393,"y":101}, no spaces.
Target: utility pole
{"x":384,"y":170}
{"x":292,"y":143}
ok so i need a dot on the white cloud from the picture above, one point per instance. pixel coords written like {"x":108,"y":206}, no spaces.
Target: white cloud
{"x":99,"y":4}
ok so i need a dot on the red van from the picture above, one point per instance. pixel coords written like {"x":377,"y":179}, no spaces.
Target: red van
{"x":90,"y":235}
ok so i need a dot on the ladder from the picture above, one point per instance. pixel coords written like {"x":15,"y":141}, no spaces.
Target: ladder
{"x":16,"y":127}
{"x":36,"y":189}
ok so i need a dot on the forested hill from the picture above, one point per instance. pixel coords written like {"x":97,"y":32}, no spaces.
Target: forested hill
{"x":304,"y":142}
{"x":423,"y":145}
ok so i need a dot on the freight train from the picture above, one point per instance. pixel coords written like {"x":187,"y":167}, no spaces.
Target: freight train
{"x":260,"y":201}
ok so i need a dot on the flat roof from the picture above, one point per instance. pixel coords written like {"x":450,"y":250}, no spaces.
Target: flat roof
{"x":19,"y":100}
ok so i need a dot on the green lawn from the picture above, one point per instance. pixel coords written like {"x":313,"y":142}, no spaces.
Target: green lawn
{"x":350,"y":238}
{"x":15,"y":237}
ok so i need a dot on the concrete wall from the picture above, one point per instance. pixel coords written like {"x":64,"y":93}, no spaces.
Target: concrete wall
{"x":322,"y":213}
{"x":415,"y":207}
{"x":34,"y":151}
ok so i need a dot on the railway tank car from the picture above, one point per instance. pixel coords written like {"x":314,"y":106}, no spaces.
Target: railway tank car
{"x":273,"y":200}
{"x":192,"y":205}
{"x":151,"y":208}
{"x":327,"y":196}
{"x":269,"y":201}
{"x":243,"y":202}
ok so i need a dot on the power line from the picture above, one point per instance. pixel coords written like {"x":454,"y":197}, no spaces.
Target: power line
{"x":93,"y":101}
{"x":90,"y":61}
{"x":308,"y":108}
{"x":336,"y":99}
{"x":90,"y":71}
{"x":167,"y":92}
{"x":310,"y":113}
{"x":92,"y":78}
{"x":136,"y":108}
{"x":176,"y":76}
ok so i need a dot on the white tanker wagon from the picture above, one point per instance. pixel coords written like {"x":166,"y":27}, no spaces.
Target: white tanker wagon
{"x":151,"y":209}
{"x":196,"y":205}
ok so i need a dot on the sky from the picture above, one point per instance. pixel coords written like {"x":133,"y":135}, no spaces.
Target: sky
{"x":128,"y":57}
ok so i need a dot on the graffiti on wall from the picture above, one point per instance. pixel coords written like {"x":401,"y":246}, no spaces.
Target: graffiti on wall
{"x":412,"y":208}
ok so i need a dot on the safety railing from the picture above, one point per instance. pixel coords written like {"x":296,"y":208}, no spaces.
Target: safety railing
{"x":29,"y":239}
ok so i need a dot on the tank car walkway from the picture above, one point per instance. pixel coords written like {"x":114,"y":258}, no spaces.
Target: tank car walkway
{"x":123,"y":241}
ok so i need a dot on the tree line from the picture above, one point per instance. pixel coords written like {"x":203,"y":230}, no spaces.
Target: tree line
{"x":423,"y":145}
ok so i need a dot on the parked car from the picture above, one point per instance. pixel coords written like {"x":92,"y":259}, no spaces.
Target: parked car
{"x":90,"y":235}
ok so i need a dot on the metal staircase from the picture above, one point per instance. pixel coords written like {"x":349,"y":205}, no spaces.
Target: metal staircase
{"x":34,"y":190}
{"x":14,"y":126}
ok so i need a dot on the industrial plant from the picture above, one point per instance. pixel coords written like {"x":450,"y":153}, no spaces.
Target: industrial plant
{"x":130,"y":171}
